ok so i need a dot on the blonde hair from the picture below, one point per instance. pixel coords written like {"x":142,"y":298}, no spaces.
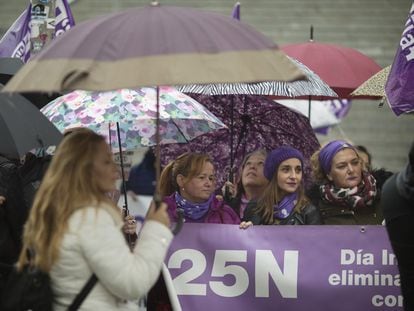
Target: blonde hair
{"x":68,"y":185}
{"x":188,"y":164}
{"x":271,"y":195}
{"x":318,"y":174}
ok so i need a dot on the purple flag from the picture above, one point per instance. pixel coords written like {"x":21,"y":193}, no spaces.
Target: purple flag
{"x":399,"y":88}
{"x":64,"y":18}
{"x":16,"y":41}
{"x":236,"y":11}
{"x":339,"y":107}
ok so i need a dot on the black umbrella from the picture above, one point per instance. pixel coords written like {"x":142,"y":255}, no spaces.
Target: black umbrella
{"x":8,"y":68}
{"x":23,"y":127}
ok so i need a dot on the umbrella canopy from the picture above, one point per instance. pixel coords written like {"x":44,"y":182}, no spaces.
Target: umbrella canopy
{"x":312,"y":86}
{"x":374,"y":86}
{"x":342,"y":68}
{"x":8,"y":68}
{"x":181,"y":117}
{"x":155,"y":45}
{"x":23,"y":127}
{"x":259,"y":123}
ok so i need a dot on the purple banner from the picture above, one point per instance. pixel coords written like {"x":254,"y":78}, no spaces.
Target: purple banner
{"x":399,"y":86}
{"x":16,"y":41}
{"x":221,"y":267}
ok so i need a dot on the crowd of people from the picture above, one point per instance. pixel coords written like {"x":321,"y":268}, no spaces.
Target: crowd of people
{"x":73,"y":225}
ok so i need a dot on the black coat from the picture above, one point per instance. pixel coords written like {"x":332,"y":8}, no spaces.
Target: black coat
{"x":340,"y":215}
{"x":399,"y":218}
{"x":13,"y":212}
{"x":309,"y":215}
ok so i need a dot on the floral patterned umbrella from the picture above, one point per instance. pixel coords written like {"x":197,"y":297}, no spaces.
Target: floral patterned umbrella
{"x":181,"y":117}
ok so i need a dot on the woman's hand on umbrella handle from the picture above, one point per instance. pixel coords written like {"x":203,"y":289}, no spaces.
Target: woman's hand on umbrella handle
{"x":159,"y":214}
{"x":245,"y":224}
{"x":229,"y":190}
{"x":2,"y":199}
{"x":130,"y":225}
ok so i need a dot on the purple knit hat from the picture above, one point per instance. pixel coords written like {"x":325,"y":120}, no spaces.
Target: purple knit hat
{"x":277,"y":156}
{"x":328,"y":152}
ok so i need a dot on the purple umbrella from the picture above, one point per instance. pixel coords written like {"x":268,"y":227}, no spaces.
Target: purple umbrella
{"x":258,"y":123}
{"x":152,"y":46}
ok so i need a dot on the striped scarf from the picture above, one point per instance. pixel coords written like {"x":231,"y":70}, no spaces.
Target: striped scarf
{"x":354,"y":198}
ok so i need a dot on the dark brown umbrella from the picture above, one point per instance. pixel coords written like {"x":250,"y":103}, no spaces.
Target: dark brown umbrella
{"x":8,"y":68}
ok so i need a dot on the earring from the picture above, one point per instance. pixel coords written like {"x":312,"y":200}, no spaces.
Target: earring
{"x":183,"y":189}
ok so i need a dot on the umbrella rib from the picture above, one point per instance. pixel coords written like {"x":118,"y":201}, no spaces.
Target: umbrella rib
{"x":181,"y":132}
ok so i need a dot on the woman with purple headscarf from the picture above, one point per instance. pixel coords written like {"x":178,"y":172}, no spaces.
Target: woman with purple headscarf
{"x":345,"y":192}
{"x":283,"y":201}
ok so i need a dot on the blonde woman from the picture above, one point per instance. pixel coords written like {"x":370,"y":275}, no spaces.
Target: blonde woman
{"x":75,"y":230}
{"x":188,"y":183}
{"x":345,"y":192}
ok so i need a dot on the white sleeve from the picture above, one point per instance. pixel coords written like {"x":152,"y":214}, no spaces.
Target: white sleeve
{"x":127,"y":275}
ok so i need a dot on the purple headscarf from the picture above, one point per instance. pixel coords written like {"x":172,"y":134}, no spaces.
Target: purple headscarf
{"x":328,"y":152}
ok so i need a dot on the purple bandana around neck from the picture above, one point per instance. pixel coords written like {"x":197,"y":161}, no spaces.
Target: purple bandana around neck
{"x":193,"y":210}
{"x":328,"y":152}
{"x":285,"y":207}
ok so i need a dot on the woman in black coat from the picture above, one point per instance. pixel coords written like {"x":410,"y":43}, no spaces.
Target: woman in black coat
{"x":283,"y":201}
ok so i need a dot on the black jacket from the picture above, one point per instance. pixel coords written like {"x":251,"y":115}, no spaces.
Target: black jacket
{"x":309,"y":215}
{"x":397,"y":203}
{"x":339,"y":215}
{"x":13,"y":212}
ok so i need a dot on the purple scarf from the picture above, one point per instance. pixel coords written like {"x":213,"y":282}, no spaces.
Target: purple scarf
{"x":285,"y":207}
{"x":193,"y":210}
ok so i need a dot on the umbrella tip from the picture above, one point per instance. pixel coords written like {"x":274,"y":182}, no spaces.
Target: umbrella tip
{"x":311,"y":33}
{"x":155,"y":3}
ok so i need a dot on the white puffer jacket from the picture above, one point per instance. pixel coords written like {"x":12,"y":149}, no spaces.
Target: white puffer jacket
{"x":95,"y":243}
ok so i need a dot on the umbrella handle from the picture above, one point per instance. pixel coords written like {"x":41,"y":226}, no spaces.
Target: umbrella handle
{"x":227,"y":195}
{"x":180,"y":221}
{"x":180,"y":214}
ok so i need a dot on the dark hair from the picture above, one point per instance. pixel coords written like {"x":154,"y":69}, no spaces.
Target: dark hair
{"x":364,"y":150}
